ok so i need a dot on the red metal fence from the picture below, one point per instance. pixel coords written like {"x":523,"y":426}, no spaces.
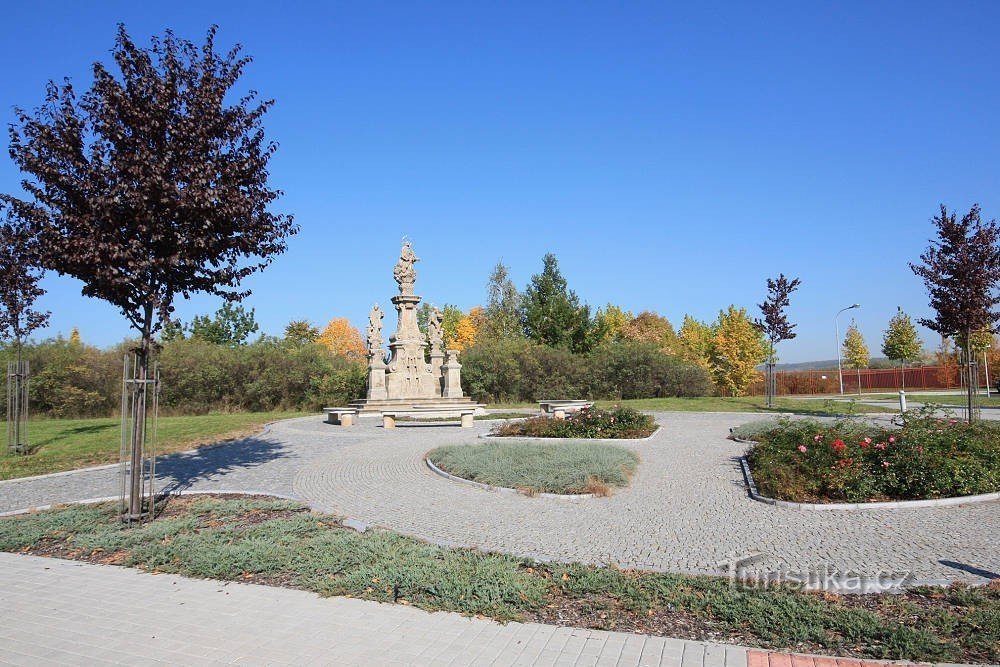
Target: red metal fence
{"x":870,"y":379}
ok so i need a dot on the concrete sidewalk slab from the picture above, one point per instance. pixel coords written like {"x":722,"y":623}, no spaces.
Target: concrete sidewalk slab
{"x":68,"y":613}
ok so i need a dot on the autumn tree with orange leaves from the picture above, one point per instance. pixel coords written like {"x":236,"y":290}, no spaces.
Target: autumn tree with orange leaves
{"x":342,"y":339}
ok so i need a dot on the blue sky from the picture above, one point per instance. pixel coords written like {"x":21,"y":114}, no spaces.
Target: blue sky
{"x":672,"y":155}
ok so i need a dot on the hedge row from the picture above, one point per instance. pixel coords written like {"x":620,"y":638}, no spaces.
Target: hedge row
{"x":76,"y":380}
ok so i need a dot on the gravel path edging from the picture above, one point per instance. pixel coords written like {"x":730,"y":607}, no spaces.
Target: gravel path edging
{"x":264,"y":430}
{"x":487,"y":436}
{"x":505,"y":489}
{"x":891,"y":505}
{"x":179,"y":492}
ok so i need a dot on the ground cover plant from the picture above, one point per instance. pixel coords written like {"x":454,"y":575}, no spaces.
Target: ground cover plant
{"x":854,"y":461}
{"x":280,"y":543}
{"x":571,"y":467}
{"x":67,"y":444}
{"x":615,"y":422}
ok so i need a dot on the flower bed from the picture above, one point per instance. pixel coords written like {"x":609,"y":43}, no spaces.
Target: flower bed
{"x":852,"y":461}
{"x":564,"y":468}
{"x":617,"y":422}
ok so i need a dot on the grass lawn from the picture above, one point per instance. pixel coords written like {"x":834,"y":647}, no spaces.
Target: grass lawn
{"x":814,"y":407}
{"x":280,"y":543}
{"x":951,"y":400}
{"x":67,"y":444}
{"x":572,"y":467}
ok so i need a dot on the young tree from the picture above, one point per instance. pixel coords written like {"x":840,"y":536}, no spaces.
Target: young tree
{"x":19,"y":277}
{"x":961,"y":270}
{"x":343,"y":339}
{"x":551,"y":312}
{"x":855,"y":351}
{"x":502,"y":317}
{"x":150,"y":185}
{"x":901,"y":342}
{"x":300,"y":332}
{"x":775,"y":324}
{"x":231,"y":325}
{"x":738,"y":348}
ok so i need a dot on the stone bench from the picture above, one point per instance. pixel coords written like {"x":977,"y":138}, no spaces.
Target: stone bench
{"x":340,"y":416}
{"x":559,"y":409}
{"x":389,"y":417}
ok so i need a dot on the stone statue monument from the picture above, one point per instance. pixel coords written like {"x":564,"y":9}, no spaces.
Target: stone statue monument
{"x":414,"y":374}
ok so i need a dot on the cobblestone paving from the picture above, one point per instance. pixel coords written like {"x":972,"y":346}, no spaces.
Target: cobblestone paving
{"x":686,"y":509}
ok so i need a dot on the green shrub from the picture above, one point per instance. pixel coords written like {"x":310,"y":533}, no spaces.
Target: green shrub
{"x":73,"y":380}
{"x":508,"y":371}
{"x":617,"y":422}
{"x":625,"y":370}
{"x":929,"y":457}
{"x":578,"y":467}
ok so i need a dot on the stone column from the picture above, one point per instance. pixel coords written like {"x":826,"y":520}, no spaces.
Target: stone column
{"x":452,"y":376}
{"x":376,"y":378}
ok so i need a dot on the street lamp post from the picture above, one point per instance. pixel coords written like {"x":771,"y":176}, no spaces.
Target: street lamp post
{"x":836,"y":325}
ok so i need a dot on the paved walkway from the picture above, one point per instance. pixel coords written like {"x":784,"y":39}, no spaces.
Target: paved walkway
{"x":67,"y":613}
{"x":685,"y":511}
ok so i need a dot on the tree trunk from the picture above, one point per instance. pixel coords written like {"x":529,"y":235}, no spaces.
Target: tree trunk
{"x":139,"y":398}
{"x":971,"y":386}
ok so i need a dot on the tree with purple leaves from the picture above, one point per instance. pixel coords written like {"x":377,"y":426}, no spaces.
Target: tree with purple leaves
{"x":153,"y":183}
{"x":961,"y":270}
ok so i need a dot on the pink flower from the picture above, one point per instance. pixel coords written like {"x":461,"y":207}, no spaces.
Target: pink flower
{"x":892,"y":439}
{"x":952,"y":422}
{"x":803,"y":449}
{"x":920,"y":450}
{"x":880,"y":445}
{"x":817,"y":437}
{"x":885,"y":464}
{"x":868,"y":441}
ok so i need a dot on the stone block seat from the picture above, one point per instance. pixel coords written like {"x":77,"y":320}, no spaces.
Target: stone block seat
{"x":340,"y":416}
{"x":465,"y":413}
{"x":560,"y":408}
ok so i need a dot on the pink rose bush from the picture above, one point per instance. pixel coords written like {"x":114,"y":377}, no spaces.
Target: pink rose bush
{"x":927,"y":457}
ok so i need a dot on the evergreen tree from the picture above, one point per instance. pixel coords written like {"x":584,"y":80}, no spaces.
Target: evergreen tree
{"x":551,"y":312}
{"x":901,"y":342}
